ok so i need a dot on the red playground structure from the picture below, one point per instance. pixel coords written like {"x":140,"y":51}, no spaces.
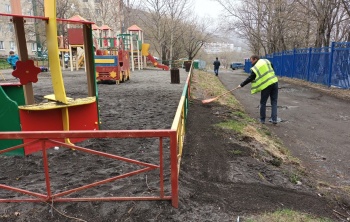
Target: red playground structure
{"x":112,"y":67}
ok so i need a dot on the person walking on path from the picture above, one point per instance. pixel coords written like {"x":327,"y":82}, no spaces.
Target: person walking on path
{"x":12,"y":59}
{"x":263,"y":80}
{"x":216,"y":66}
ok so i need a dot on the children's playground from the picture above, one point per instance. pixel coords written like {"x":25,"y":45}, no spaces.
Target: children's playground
{"x":75,"y":149}
{"x":62,"y":108}
{"x":37,"y":101}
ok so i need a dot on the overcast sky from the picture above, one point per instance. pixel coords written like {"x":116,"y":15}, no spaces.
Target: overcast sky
{"x":207,"y":7}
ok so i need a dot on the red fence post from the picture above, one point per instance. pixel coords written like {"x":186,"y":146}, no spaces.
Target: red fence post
{"x":174,"y":170}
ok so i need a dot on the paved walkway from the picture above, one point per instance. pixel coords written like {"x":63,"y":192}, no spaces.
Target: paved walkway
{"x":315,"y":126}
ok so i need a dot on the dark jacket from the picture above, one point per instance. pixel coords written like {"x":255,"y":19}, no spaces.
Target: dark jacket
{"x":216,"y":64}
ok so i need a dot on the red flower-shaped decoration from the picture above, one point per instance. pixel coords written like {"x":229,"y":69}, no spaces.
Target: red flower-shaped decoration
{"x":26,"y":72}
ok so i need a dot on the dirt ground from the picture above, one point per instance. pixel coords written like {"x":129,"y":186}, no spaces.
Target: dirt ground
{"x":214,"y":183}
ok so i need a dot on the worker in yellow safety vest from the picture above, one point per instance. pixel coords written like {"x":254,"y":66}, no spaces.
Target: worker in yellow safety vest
{"x":263,"y":80}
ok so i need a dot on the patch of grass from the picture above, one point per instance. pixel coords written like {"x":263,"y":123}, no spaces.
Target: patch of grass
{"x":294,"y":178}
{"x":4,"y":64}
{"x":236,"y":152}
{"x":241,"y":114}
{"x":346,"y":189}
{"x":276,"y":162}
{"x":261,"y":176}
{"x":212,"y":87}
{"x":264,"y":131}
{"x":286,"y":215}
{"x":232,"y":125}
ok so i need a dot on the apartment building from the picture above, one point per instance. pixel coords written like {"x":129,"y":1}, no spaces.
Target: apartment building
{"x":112,"y":13}
{"x":218,"y":47}
{"x":7,"y":32}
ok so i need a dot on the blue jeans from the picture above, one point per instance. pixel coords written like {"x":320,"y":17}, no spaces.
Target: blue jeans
{"x":216,"y":71}
{"x":272,"y":92}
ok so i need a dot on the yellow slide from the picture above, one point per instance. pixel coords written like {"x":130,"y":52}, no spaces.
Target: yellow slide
{"x":145,"y":48}
{"x":81,"y":56}
{"x":81,"y":61}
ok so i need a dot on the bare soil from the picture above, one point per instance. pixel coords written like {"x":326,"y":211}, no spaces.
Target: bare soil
{"x":222,"y":178}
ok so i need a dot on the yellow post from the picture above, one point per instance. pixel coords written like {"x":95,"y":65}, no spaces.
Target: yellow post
{"x":52,"y":45}
{"x":65,"y":119}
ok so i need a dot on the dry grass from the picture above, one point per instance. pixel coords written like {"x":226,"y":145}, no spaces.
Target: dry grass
{"x":336,"y":92}
{"x":206,"y":86}
{"x":285,"y":215}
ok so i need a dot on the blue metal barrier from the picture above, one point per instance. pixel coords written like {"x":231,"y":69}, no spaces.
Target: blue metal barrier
{"x":329,"y":66}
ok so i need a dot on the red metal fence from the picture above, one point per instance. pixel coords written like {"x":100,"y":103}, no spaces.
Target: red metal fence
{"x":41,"y":138}
{"x":176,"y":136}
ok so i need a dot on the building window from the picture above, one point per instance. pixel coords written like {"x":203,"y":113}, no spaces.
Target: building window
{"x":34,"y":47}
{"x":2,"y":45}
{"x":8,"y":8}
{"x":85,"y":0}
{"x":97,"y":1}
{"x":12,"y":45}
{"x":98,"y":11}
{"x":10,"y":27}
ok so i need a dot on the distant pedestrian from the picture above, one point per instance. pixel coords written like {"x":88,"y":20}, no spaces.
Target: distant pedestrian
{"x":216,"y":66}
{"x":12,"y":59}
{"x":263,"y":80}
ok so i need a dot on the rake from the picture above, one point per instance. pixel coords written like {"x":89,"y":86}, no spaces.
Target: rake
{"x":213,"y":99}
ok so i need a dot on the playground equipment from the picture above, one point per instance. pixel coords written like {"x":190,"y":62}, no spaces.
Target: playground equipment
{"x":145,"y":48}
{"x":133,"y":44}
{"x":112,"y":60}
{"x":60,"y":113}
{"x":136,"y":38}
{"x":112,"y":67}
{"x":73,"y":43}
{"x":136,"y":34}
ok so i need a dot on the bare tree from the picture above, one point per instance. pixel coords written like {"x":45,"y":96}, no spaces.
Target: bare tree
{"x":162,"y":20}
{"x":277,"y":25}
{"x":323,"y":12}
{"x":152,"y":16}
{"x":346,"y":5}
{"x":177,"y":10}
{"x":194,"y":35}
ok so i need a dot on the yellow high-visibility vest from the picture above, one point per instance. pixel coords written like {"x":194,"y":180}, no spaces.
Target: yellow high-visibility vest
{"x":265,"y":75}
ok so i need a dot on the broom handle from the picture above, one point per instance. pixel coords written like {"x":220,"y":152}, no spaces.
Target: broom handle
{"x":227,"y":92}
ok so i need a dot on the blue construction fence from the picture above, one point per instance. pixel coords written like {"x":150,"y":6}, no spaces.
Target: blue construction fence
{"x":329,"y":66}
